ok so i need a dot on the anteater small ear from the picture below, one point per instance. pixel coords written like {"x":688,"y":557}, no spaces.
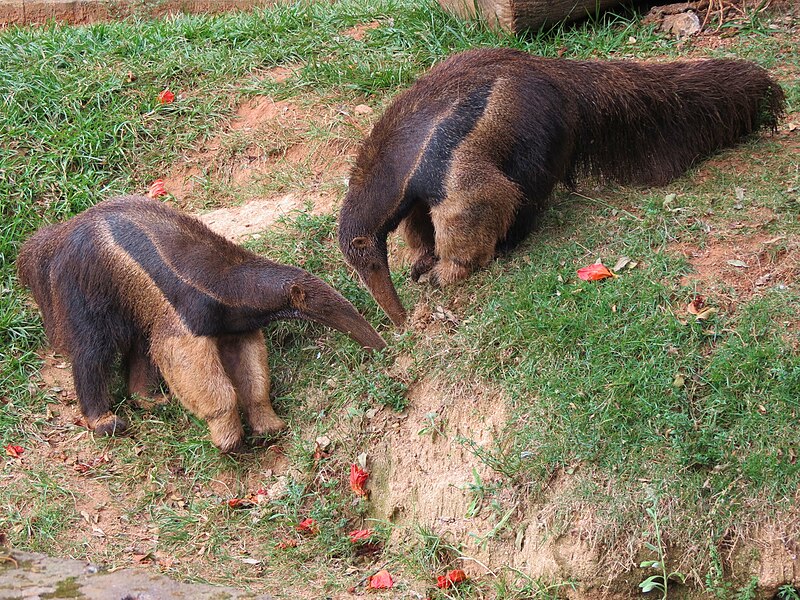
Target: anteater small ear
{"x":360,"y":242}
{"x":297,"y":295}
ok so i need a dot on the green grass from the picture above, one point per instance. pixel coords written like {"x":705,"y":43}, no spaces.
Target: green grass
{"x":610,"y":386}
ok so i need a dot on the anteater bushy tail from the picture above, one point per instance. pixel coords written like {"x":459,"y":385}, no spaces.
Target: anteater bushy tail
{"x":648,"y":122}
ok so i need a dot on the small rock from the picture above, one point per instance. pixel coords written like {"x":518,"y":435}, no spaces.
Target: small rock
{"x":279,"y":488}
{"x":681,"y":25}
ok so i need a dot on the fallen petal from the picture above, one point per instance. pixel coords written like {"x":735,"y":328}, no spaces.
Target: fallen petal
{"x":307,"y":526}
{"x":157,"y":189}
{"x":452,"y":578}
{"x":595,"y":272}
{"x":382,"y":580}
{"x":14,"y":451}
{"x":166,"y":97}
{"x":358,"y":478}
{"x":360,"y":535}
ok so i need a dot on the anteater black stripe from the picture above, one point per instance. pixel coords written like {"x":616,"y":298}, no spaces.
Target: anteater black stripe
{"x":198,"y":311}
{"x":427,"y":182}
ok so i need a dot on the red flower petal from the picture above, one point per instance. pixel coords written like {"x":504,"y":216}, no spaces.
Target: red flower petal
{"x":595,"y":272}
{"x":166,"y":97}
{"x":358,"y":477}
{"x":307,"y":526}
{"x":360,"y":535}
{"x":380,"y":581}
{"x":14,"y":451}
{"x":453,"y":577}
{"x":157,"y":189}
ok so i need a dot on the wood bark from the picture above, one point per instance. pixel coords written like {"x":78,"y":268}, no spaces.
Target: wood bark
{"x":521,"y":15}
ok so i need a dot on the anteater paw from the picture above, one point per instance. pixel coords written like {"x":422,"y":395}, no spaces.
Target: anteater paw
{"x":424,"y":264}
{"x":109,"y":424}
{"x":268,"y":428}
{"x":447,"y":272}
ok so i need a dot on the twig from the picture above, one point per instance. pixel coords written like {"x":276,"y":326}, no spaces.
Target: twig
{"x":607,"y":205}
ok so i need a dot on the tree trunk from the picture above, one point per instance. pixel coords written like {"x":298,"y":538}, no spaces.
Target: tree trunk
{"x":521,"y":15}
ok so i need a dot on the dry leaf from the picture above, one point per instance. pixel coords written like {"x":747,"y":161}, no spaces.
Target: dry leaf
{"x":696,"y":305}
{"x":319,"y":452}
{"x":622,"y":262}
{"x":708,"y":311}
{"x":738,"y":263}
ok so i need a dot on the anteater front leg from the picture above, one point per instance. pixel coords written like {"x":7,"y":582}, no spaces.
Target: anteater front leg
{"x":244,"y":357}
{"x":476,"y":213}
{"x":192,"y":367}
{"x":417,"y":230}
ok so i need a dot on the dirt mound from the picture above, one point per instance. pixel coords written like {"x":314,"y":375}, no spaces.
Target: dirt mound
{"x":268,"y":148}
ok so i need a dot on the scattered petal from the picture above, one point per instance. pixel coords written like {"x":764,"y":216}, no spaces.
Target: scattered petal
{"x":360,"y":535}
{"x":452,"y":578}
{"x":595,"y":272}
{"x":307,"y":526}
{"x":382,"y":580}
{"x":157,"y":189}
{"x":14,"y":451}
{"x":240,"y":503}
{"x":358,"y":478}
{"x":166,"y":97}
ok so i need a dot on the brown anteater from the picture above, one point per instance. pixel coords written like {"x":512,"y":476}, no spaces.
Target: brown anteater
{"x":136,"y":279}
{"x":465,"y":159}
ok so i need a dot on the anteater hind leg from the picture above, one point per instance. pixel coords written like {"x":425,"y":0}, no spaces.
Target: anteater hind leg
{"x":193,"y":370}
{"x":417,"y":230}
{"x":142,"y":373}
{"x":469,"y":222}
{"x":245,"y":360}
{"x":91,"y":372}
